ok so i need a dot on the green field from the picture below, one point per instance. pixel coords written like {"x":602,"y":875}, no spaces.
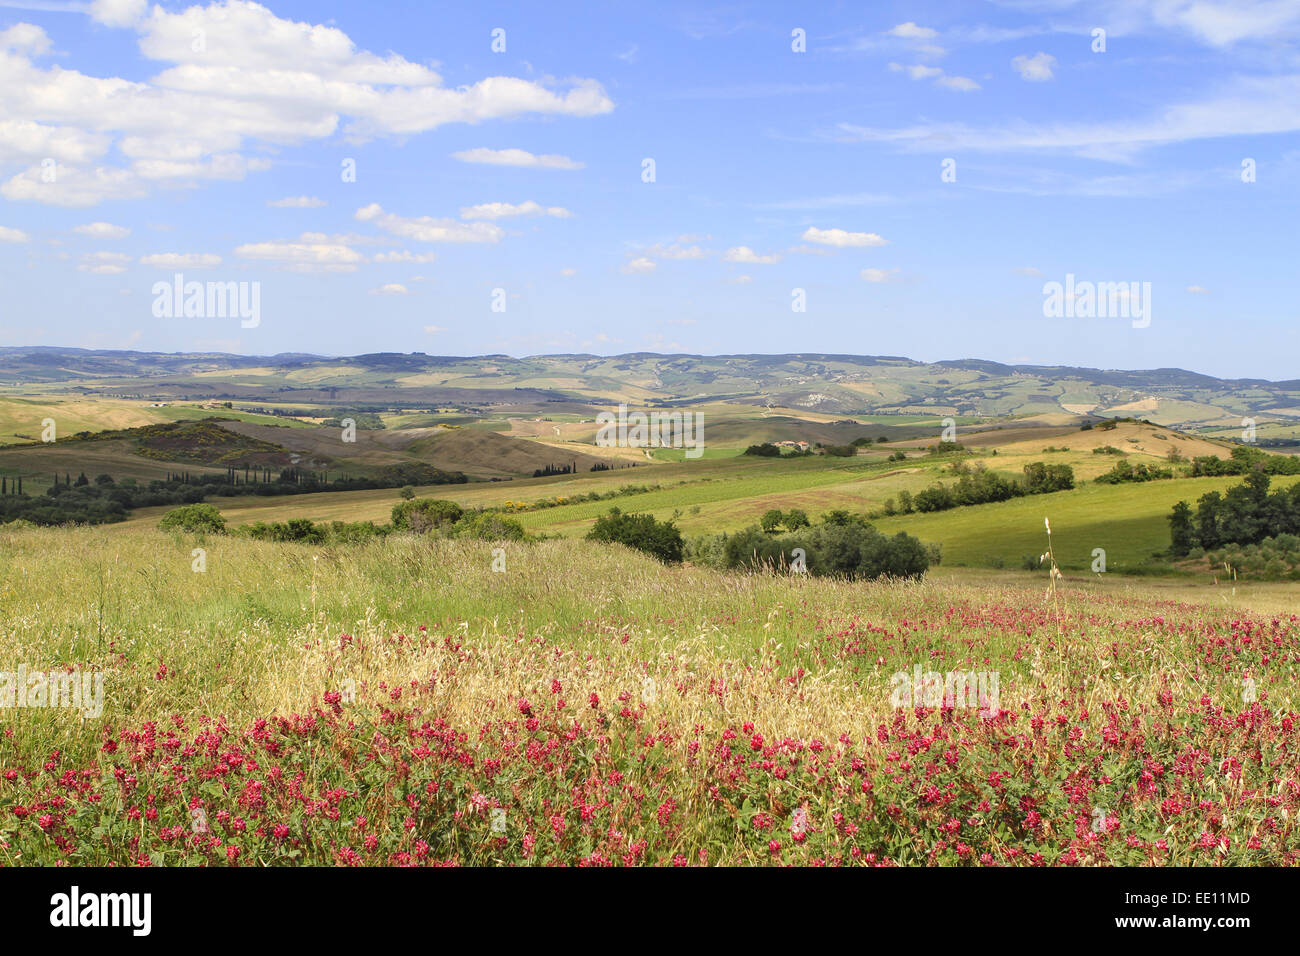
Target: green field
{"x":1128,"y":521}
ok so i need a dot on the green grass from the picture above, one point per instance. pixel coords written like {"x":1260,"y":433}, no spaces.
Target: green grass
{"x":1127,"y":521}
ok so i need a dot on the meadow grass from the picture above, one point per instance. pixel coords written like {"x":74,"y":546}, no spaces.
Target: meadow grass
{"x":237,"y":638}
{"x":411,"y":639}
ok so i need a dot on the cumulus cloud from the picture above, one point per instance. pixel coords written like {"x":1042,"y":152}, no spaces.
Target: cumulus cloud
{"x":1036,"y":68}
{"x":919,"y":71}
{"x":515,"y":157}
{"x":311,"y":252}
{"x":916,"y":71}
{"x":429,"y":229}
{"x":879,"y":275}
{"x":1198,"y":290}
{"x":503,"y":210}
{"x":391,"y":288}
{"x":117,"y":13}
{"x":182,"y":260}
{"x":910,"y":31}
{"x":297,"y":202}
{"x":12,"y":235}
{"x":640,"y":265}
{"x":676,"y":251}
{"x":744,"y":254}
{"x":841,"y":238}
{"x":962,"y":84}
{"x":102,"y":230}
{"x":235,"y":93}
{"x":405,"y":256}
{"x":73,"y":187}
{"x":104,"y":263}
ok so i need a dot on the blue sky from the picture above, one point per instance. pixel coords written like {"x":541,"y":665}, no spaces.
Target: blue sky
{"x":210,"y":140}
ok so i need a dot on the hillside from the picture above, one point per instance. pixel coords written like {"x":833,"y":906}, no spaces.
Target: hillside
{"x":153,"y":451}
{"x":839,"y":385}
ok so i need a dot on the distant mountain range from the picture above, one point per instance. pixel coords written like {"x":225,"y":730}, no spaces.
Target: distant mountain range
{"x":811,"y":382}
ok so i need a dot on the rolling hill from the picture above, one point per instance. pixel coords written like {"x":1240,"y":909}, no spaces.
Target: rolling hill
{"x":838,"y":385}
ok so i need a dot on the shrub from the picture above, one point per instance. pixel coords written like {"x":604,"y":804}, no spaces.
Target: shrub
{"x":660,"y":539}
{"x":300,"y":530}
{"x":486,"y":526}
{"x":843,"y":545}
{"x":198,"y":519}
{"x":343,"y":532}
{"x":707,"y":549}
{"x":426,"y":514}
{"x":1124,"y":471}
{"x":1044,"y":479}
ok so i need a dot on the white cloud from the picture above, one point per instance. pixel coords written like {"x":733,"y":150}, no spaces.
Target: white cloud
{"x":675,"y":251}
{"x":405,"y":256}
{"x":25,"y":38}
{"x":962,"y":84}
{"x":568,"y":273}
{"x":117,"y":13}
{"x":910,"y":31}
{"x":741,"y":280}
{"x":515,"y":157}
{"x":879,"y":275}
{"x":502,"y":210}
{"x":919,"y":71}
{"x":104,"y":263}
{"x":640,"y":266}
{"x":1225,"y":22}
{"x":429,"y":229}
{"x":182,"y":260}
{"x":392,"y":288}
{"x":258,"y":81}
{"x":24,"y":140}
{"x":102,"y":230}
{"x":1198,"y":290}
{"x":1246,"y":106}
{"x":842,"y":239}
{"x":297,"y":202}
{"x":12,"y":235}
{"x":311,"y":253}
{"x":434,"y":329}
{"x":73,"y":187}
{"x":1036,"y":68}
{"x":744,"y":254}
